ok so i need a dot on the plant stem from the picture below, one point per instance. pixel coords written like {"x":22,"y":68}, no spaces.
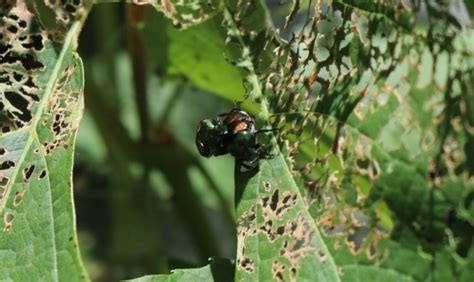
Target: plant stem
{"x":252,"y":77}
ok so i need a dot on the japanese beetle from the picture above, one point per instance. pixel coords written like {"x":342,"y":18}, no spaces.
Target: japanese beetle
{"x":234,"y":133}
{"x":209,"y":135}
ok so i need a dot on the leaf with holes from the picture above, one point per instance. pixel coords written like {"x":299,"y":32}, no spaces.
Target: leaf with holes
{"x":277,"y":239}
{"x":371,"y":125}
{"x":41,"y":104}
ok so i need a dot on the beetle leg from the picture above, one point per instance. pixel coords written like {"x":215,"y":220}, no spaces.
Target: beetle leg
{"x":247,"y":166}
{"x":263,"y":152}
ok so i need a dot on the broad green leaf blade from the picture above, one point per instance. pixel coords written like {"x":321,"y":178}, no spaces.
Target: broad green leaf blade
{"x":196,"y":53}
{"x":382,"y":167}
{"x":42,"y":104}
{"x":219,"y":270}
{"x":277,"y":237}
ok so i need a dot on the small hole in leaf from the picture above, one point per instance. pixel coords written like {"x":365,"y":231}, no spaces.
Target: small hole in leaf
{"x":70,"y":8}
{"x":322,"y":256}
{"x":12,"y":29}
{"x":4,"y":180}
{"x":27,"y":172}
{"x":371,"y":251}
{"x":4,"y":48}
{"x":42,"y":174}
{"x":19,"y":102}
{"x":267,"y":185}
{"x":22,"y":23}
{"x":17,"y":76}
{"x":356,"y":239}
{"x":8,"y":218}
{"x":7,"y":165}
{"x":18,"y":198}
{"x":280,"y":230}
{"x":30,"y":63}
{"x":274,"y":201}
{"x":36,"y":43}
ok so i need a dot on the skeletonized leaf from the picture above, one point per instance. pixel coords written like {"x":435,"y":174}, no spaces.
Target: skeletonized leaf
{"x":378,"y":146}
{"x":41,"y":99}
{"x":183,"y":14}
{"x":277,"y":237}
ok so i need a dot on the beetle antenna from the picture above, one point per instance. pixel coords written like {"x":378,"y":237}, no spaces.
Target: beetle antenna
{"x":268,"y":130}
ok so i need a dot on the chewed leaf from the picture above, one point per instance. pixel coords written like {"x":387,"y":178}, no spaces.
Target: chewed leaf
{"x":378,"y":146}
{"x":41,"y":104}
{"x":277,"y":237}
{"x":183,"y":13}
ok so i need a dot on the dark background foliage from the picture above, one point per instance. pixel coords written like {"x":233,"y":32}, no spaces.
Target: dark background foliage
{"x":146,"y":201}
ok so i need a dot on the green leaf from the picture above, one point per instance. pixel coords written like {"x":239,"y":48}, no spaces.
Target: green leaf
{"x":196,"y":53}
{"x":277,"y":237}
{"x":372,"y":156}
{"x":221,"y":270}
{"x":42,"y":103}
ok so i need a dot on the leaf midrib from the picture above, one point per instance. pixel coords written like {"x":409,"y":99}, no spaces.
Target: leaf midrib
{"x":70,"y":38}
{"x":307,"y":214}
{"x":253,"y":78}
{"x":50,"y":194}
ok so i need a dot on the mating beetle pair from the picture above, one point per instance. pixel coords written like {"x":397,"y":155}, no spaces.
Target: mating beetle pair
{"x":233,"y":132}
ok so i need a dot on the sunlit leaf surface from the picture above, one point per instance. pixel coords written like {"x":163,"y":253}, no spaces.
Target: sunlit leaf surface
{"x":369,"y":115}
{"x":41,"y":103}
{"x":277,"y":237}
{"x":217,"y":270}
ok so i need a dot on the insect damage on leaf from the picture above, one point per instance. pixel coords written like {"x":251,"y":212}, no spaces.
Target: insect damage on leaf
{"x":67,"y":10}
{"x":22,"y":51}
{"x":64,"y":13}
{"x":184,"y":13}
{"x":245,"y":227}
{"x":27,"y":172}
{"x":345,"y":222}
{"x":312,"y":73}
{"x":41,"y":87}
{"x":8,"y":218}
{"x":277,"y":224}
{"x":301,"y":232}
{"x":59,"y":122}
{"x":19,"y":52}
{"x":362,"y":102}
{"x":62,"y":117}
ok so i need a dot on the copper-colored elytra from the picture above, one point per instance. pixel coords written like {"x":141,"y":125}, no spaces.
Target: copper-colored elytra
{"x":241,"y":126}
{"x":231,"y":118}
